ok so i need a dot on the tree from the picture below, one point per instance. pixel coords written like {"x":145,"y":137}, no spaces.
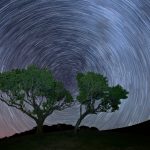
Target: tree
{"x":35,"y":92}
{"x":95,"y":95}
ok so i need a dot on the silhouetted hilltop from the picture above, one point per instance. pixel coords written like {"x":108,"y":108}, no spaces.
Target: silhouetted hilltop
{"x":142,"y":128}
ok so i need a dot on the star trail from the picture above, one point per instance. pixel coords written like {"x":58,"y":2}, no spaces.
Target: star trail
{"x":111,"y":37}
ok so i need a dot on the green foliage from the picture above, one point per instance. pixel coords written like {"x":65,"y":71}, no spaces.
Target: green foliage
{"x":34,"y":91}
{"x":91,"y":85}
{"x":95,"y":95}
{"x":115,"y":94}
{"x":94,"y":87}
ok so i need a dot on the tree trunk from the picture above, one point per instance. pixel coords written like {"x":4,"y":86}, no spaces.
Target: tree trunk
{"x":39,"y":130}
{"x":79,"y":121}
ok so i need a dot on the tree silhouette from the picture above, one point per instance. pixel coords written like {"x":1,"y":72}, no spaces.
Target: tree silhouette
{"x":35,"y":92}
{"x":95,"y":95}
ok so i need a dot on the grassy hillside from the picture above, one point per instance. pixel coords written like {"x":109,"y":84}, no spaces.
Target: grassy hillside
{"x":86,"y":140}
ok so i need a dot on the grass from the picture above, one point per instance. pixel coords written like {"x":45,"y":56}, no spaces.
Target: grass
{"x":84,"y":140}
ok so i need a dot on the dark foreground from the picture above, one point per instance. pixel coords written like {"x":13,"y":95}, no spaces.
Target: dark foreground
{"x":86,"y":139}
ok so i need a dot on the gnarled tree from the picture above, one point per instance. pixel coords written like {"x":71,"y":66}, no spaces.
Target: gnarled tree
{"x":35,"y":92}
{"x":95,"y":95}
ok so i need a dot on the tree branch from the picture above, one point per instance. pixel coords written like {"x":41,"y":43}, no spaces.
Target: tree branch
{"x":17,"y":106}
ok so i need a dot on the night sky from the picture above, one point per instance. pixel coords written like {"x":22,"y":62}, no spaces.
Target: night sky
{"x":111,"y":37}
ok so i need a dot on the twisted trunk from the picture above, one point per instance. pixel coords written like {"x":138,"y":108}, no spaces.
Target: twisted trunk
{"x":82,"y":116}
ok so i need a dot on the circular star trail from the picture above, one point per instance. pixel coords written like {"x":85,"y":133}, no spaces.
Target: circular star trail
{"x":111,"y":37}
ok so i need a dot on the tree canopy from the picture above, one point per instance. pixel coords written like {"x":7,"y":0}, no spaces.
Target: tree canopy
{"x":34,"y":91}
{"x":95,"y":95}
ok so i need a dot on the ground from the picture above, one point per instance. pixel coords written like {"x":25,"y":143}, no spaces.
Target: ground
{"x":85,"y":140}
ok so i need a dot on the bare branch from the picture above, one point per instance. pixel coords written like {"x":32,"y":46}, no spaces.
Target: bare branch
{"x":17,"y":106}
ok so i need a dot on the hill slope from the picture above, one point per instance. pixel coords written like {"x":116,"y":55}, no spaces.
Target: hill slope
{"x":61,"y":137}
